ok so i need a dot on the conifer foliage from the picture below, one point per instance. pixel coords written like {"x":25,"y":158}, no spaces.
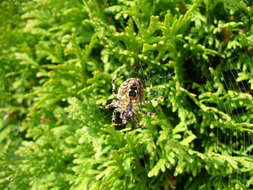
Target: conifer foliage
{"x":57,"y":61}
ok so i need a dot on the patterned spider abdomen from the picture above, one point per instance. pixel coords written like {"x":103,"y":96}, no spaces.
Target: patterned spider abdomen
{"x":131,"y":89}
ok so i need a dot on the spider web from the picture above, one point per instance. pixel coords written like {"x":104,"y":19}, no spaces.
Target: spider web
{"x":152,"y":79}
{"x":238,"y":142}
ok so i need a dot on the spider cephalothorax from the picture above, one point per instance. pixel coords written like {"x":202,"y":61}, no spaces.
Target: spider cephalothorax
{"x":130,"y":96}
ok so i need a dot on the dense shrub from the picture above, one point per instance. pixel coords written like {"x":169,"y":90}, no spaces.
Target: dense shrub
{"x":57,"y":60}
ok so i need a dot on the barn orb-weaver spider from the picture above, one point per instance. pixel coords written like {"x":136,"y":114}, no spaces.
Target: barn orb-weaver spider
{"x":130,"y":96}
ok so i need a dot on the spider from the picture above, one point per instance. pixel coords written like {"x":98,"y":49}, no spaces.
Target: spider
{"x":130,"y":96}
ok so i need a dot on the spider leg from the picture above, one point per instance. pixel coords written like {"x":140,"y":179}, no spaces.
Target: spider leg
{"x":147,"y":101}
{"x":136,"y":118}
{"x":107,"y":106}
{"x":114,"y":117}
{"x":144,"y":112}
{"x":113,"y":88}
{"x":113,"y":104}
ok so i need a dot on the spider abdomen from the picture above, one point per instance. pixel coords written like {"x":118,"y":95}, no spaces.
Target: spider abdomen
{"x":131,"y":89}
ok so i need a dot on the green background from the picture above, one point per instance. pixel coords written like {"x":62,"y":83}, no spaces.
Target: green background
{"x":57,"y":60}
